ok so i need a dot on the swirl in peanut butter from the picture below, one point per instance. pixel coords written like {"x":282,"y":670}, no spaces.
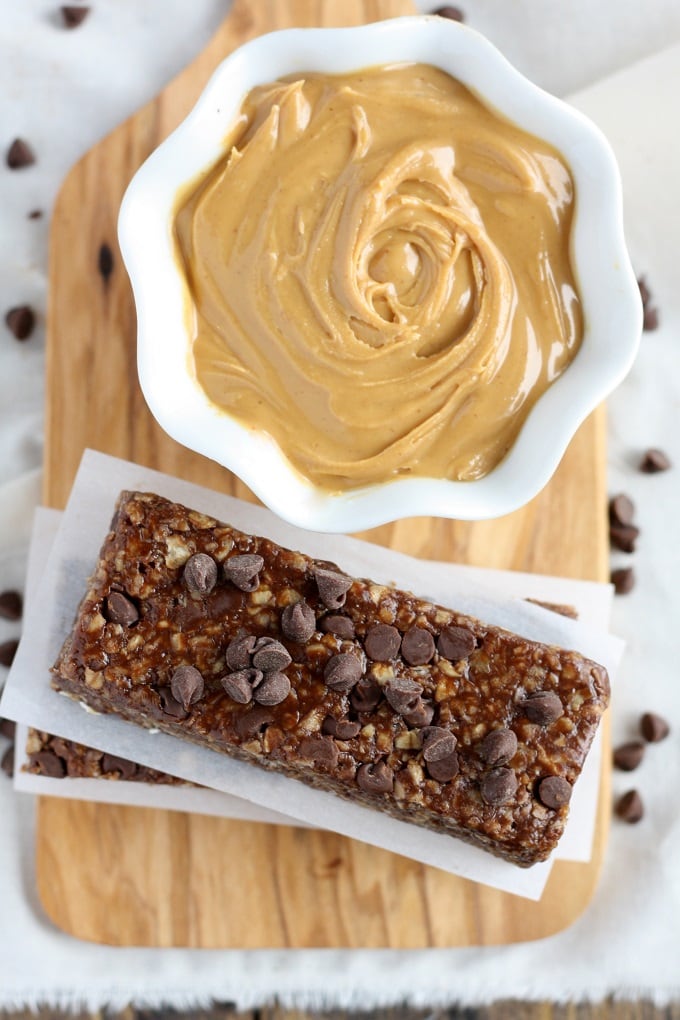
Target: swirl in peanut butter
{"x":380,"y":271}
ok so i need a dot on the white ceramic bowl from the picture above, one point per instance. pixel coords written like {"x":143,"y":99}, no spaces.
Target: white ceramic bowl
{"x":607,"y":285}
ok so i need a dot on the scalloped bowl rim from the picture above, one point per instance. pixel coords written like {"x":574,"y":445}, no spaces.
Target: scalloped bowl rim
{"x":605,"y":279}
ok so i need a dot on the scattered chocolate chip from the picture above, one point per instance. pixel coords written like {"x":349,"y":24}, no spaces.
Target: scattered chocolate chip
{"x":623,"y":579}
{"x":342,"y":729}
{"x":50,"y":764}
{"x":74,"y":16}
{"x":645,"y":292}
{"x":623,"y":537}
{"x":298,"y":622}
{"x":35,"y":214}
{"x":11,"y":605}
{"x":498,"y":786}
{"x":240,"y":685}
{"x":417,"y":646}
{"x":321,"y":750}
{"x":200,"y":574}
{"x":8,"y":650}
{"x":542,"y":707}
{"x":341,"y":626}
{"x":498,"y":747}
{"x":332,"y":587}
{"x":438,"y":743}
{"x":650,"y":318}
{"x":7,"y":763}
{"x":105,"y":261}
{"x":270,"y":655}
{"x":653,"y":461}
{"x":421,"y":714}
{"x":20,"y":321}
{"x":382,"y":642}
{"x":120,"y":609}
{"x":170,"y":705}
{"x":375,"y":777}
{"x":554,"y":792}
{"x":19,"y":155}
{"x":654,"y":727}
{"x":628,"y":756}
{"x":456,"y":643}
{"x":621,"y":509}
{"x":366,"y":695}
{"x":8,"y":728}
{"x":187,"y":686}
{"x":342,"y":672}
{"x":112,"y":763}
{"x":274,"y":688}
{"x":239,"y":652}
{"x":443,"y":769}
{"x":403,"y":694}
{"x":450,"y":12}
{"x":253,"y":722}
{"x":629,"y":807}
{"x":244,"y":571}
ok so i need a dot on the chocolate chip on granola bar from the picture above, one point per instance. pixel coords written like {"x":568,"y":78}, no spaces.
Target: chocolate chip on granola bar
{"x":417,"y":646}
{"x":73,"y":16}
{"x":621,"y":509}
{"x":456,"y":643}
{"x":273,"y":689}
{"x":554,"y":791}
{"x":438,"y":743}
{"x":170,"y":705}
{"x":298,"y":622}
{"x":498,"y":747}
{"x":7,"y":763}
{"x":421,"y":714}
{"x":200,"y":574}
{"x":187,"y":686}
{"x":20,"y":155}
{"x":240,"y":684}
{"x":50,"y":764}
{"x":629,"y":755}
{"x":8,"y":650}
{"x":244,"y":571}
{"x":339,"y":625}
{"x":402,"y":694}
{"x":321,"y":750}
{"x":623,"y":579}
{"x":366,"y":695}
{"x":498,"y":786}
{"x":20,"y":321}
{"x":654,"y":460}
{"x":253,"y":721}
{"x":239,"y":651}
{"x":375,"y":777}
{"x":11,"y":605}
{"x":120,"y":609}
{"x":629,"y":807}
{"x":654,"y":727}
{"x":270,"y":655}
{"x":332,"y":587}
{"x":382,"y":642}
{"x":542,"y":707}
{"x":8,"y":728}
{"x":443,"y":770}
{"x":342,"y":672}
{"x":341,"y":729}
{"x":123,"y":766}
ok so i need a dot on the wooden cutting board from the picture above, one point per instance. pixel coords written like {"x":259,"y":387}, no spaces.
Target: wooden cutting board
{"x":129,"y":876}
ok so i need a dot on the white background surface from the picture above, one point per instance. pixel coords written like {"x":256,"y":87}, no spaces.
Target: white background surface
{"x":63,"y":90}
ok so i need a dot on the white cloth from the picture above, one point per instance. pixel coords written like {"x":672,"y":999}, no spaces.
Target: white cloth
{"x":62,"y":91}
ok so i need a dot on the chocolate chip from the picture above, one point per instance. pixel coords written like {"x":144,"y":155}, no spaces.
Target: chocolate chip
{"x":8,"y":650}
{"x":450,"y":12}
{"x":20,"y":321}
{"x":554,"y":792}
{"x":120,"y":609}
{"x":105,"y":262}
{"x":421,"y":714}
{"x":542,"y":707}
{"x":653,"y":461}
{"x":417,"y":646}
{"x":382,"y":642}
{"x":270,"y":655}
{"x":8,"y":728}
{"x":650,"y":318}
{"x":375,"y":777}
{"x":438,"y":743}
{"x":74,"y":16}
{"x":321,"y":750}
{"x":654,"y":727}
{"x":11,"y":605}
{"x":623,"y":579}
{"x":298,"y":622}
{"x":342,"y":672}
{"x":341,"y":626}
{"x":498,"y":747}
{"x":645,"y":292}
{"x":170,"y":705}
{"x":253,"y":722}
{"x":342,"y":729}
{"x":623,"y":537}
{"x":50,"y":764}
{"x":239,"y":652}
{"x":19,"y":155}
{"x":498,"y":786}
{"x":403,"y":694}
{"x":240,"y":685}
{"x":456,"y":643}
{"x":35,"y":214}
{"x":244,"y":571}
{"x":621,"y":509}
{"x":187,"y":685}
{"x":365,"y":695}
{"x":200,"y":574}
{"x":443,"y":769}
{"x":332,"y":586}
{"x":7,"y":763}
{"x":273,"y":689}
{"x":628,"y":756}
{"x":112,"y":763}
{"x":629,"y":807}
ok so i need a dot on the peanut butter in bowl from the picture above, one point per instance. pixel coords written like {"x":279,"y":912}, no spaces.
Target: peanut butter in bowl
{"x":379,"y":270}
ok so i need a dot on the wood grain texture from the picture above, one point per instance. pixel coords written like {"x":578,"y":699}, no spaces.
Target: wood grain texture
{"x":129,"y":876}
